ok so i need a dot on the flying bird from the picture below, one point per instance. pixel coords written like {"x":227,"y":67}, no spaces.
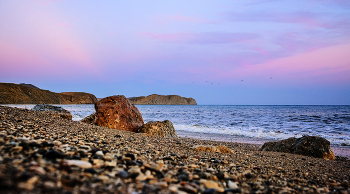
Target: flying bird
{"x":270,"y":77}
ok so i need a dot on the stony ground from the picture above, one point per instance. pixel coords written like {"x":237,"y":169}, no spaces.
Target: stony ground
{"x":41,"y":153}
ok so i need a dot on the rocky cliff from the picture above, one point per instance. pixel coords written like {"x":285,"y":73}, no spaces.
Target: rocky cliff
{"x":162,"y":100}
{"x":22,"y":94}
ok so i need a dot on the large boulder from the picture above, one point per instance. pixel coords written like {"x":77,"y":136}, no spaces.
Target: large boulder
{"x":313,"y":146}
{"x":116,"y":112}
{"x":159,"y":128}
{"x":54,"y":110}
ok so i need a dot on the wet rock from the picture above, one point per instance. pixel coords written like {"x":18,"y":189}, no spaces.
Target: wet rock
{"x":116,"y":112}
{"x":317,"y":147}
{"x":55,"y":110}
{"x":89,"y":119}
{"x":159,"y":128}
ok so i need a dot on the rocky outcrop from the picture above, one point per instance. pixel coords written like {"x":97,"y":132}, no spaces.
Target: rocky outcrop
{"x":79,"y":98}
{"x":116,"y":112}
{"x":313,"y":146}
{"x":155,"y":99}
{"x":28,"y":94}
{"x":29,"y":85}
{"x":159,"y":128}
{"x":54,"y":110}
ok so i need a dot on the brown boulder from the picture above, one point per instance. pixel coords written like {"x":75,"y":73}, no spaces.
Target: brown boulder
{"x":116,"y":112}
{"x":313,"y":146}
{"x":159,"y":128}
{"x":53,"y":110}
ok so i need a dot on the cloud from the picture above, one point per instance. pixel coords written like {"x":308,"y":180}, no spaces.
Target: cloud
{"x":307,"y":18}
{"x":202,"y":38}
{"x":323,"y":65}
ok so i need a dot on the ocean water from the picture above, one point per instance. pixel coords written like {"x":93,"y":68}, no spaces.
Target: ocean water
{"x":253,"y":123}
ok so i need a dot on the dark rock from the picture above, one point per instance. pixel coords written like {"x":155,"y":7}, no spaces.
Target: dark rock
{"x":89,"y":119}
{"x":116,"y":112}
{"x":210,"y":191}
{"x":159,"y":128}
{"x":313,"y":146}
{"x":132,"y":156}
{"x":55,"y":110}
{"x":53,"y":155}
{"x":233,"y":191}
{"x":90,"y":170}
{"x":122,"y":174}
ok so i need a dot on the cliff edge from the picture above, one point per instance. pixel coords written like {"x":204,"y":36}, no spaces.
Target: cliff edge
{"x":28,"y":94}
{"x":155,"y":99}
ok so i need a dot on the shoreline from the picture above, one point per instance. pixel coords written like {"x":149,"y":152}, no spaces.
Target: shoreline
{"x":42,"y":153}
{"x":343,"y":151}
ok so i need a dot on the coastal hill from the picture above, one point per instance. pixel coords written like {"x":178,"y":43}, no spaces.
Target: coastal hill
{"x":11,"y":93}
{"x":156,"y":99}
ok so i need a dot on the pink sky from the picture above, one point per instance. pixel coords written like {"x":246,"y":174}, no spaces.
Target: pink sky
{"x":110,"y":48}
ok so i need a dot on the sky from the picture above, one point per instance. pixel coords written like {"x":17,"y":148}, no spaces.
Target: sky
{"x":227,"y":52}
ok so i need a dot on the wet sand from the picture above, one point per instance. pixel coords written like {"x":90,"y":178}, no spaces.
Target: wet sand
{"x":41,"y":153}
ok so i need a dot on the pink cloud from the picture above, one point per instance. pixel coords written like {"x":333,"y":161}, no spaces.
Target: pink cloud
{"x":330,"y":64}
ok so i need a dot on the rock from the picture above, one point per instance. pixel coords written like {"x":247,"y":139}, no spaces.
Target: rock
{"x":313,"y":146}
{"x":89,"y":119}
{"x":209,"y":148}
{"x":161,"y":99}
{"x":79,"y":163}
{"x":116,"y":112}
{"x":55,"y":110}
{"x":159,"y":128}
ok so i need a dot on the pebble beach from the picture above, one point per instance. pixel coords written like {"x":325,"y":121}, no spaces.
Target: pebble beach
{"x":42,"y":153}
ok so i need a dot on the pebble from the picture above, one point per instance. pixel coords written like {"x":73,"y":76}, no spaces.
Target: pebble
{"x":79,"y":163}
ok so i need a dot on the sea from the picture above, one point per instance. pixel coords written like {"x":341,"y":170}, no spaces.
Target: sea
{"x":245,"y":124}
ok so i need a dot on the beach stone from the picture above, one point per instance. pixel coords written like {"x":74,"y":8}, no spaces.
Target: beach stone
{"x":159,"y":128}
{"x":79,"y":163}
{"x":55,"y":110}
{"x":116,"y":112}
{"x":313,"y":146}
{"x":209,"y":148}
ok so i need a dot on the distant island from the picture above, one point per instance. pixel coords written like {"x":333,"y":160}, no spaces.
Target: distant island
{"x":156,"y":99}
{"x":11,"y":93}
{"x":23,"y":93}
